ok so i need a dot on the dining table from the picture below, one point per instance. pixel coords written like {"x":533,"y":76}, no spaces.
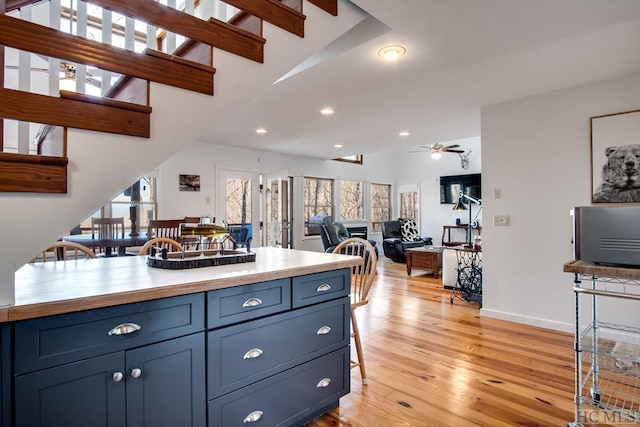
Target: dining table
{"x":119,"y":241}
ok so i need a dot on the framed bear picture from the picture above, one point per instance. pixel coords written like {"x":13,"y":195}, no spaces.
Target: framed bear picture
{"x":615,"y":158}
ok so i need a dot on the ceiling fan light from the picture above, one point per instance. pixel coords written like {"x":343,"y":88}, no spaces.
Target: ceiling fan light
{"x":436,"y":155}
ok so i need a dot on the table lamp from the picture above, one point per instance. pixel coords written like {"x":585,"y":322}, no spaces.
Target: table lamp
{"x":459,"y":206}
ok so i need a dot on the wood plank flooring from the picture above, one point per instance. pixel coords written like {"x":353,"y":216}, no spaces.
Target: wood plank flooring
{"x":433,"y":363}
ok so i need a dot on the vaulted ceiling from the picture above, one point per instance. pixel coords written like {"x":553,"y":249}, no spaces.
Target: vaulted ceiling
{"x":461,"y":55}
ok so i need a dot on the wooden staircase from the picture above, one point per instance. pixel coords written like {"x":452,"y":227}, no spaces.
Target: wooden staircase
{"x":183,"y":69}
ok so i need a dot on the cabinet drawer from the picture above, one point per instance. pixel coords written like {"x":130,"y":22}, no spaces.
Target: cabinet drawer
{"x":243,"y":354}
{"x":49,"y":341}
{"x":233,"y":305}
{"x":288,"y":399}
{"x":318,"y":287}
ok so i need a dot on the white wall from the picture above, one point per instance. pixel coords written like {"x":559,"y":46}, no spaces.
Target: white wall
{"x":421,"y":168}
{"x":206,"y":160}
{"x":537,"y":151}
{"x":101,"y":165}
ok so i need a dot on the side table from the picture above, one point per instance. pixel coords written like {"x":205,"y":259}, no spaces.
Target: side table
{"x":469,"y":284}
{"x":425,"y":257}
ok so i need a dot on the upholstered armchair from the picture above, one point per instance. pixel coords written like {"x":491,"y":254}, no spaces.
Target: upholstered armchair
{"x":333,"y":233}
{"x":400,"y":234}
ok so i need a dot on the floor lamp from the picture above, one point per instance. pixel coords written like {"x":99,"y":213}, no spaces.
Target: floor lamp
{"x":459,"y":206}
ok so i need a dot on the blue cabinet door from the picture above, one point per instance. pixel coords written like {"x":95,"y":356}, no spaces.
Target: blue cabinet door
{"x":166,"y":384}
{"x":86,"y":393}
{"x":5,"y":375}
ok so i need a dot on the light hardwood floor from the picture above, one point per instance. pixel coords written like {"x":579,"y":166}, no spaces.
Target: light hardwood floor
{"x":434,"y":363}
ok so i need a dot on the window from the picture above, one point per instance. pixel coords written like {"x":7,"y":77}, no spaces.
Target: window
{"x":238,"y":201}
{"x":356,"y":158}
{"x":318,"y":201}
{"x":141,"y":195}
{"x":380,"y":205}
{"x":409,"y":205}
{"x":351,"y":200}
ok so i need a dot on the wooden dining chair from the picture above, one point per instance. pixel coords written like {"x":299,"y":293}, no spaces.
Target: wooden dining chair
{"x":107,"y":228}
{"x":62,"y":251}
{"x":362,"y":276}
{"x":171,"y":228}
{"x":161,"y":242}
{"x":164,"y":228}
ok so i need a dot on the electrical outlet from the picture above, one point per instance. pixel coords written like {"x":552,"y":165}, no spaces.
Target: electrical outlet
{"x":497,"y":192}
{"x":501,"y":220}
{"x":207,"y":200}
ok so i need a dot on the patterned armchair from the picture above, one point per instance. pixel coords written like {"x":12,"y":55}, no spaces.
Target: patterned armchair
{"x":400,"y":234}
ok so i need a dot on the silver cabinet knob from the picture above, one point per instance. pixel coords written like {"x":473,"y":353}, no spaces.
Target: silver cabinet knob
{"x":324,"y":330}
{"x":136,"y":372}
{"x":323,"y":383}
{"x":323,"y":288}
{"x":252,"y":354}
{"x":252,"y":302}
{"x":117,"y":377}
{"x":124,"y":329}
{"x":253,"y":417}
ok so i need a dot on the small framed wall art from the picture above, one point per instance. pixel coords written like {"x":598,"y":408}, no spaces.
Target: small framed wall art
{"x":615,"y":158}
{"x":189,"y":183}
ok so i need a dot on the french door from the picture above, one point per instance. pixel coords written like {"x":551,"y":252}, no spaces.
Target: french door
{"x":239,"y":202}
{"x":276,"y":210}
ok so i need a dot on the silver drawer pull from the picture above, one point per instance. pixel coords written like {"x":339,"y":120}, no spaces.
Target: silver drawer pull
{"x":252,"y":302}
{"x":252,"y":354}
{"x":117,"y":377}
{"x":323,"y":288}
{"x":136,"y":372}
{"x":253,"y":417}
{"x":324,"y":330}
{"x":124,"y":329}
{"x":324,"y":383}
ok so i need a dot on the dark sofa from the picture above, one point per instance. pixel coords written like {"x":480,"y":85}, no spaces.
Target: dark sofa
{"x":393,"y":244}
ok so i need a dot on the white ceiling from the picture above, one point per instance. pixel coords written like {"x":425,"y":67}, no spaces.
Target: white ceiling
{"x":461,"y":55}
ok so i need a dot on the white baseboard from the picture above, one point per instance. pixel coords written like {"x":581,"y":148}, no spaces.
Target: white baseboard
{"x":531,"y":321}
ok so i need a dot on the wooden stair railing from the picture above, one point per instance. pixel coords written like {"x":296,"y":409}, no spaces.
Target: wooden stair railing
{"x":26,"y":172}
{"x":329,"y":6}
{"x":273,"y":12}
{"x":212,"y":32}
{"x":76,"y":111}
{"x":48,"y":174}
{"x":154,"y":66}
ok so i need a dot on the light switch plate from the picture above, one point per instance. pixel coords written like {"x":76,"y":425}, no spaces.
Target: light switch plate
{"x":501,"y":220}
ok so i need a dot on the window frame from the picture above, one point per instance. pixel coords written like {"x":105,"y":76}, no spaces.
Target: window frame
{"x":376,"y":226}
{"x":305,"y":206}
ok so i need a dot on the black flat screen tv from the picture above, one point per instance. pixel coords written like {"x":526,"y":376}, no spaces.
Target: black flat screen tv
{"x":451,"y":185}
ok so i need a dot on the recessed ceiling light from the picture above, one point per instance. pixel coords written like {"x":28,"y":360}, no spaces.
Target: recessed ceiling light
{"x":391,"y":53}
{"x":261,"y":130}
{"x":338,"y":146}
{"x":327,"y":111}
{"x":404,"y":133}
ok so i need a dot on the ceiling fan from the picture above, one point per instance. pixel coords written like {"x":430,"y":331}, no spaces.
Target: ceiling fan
{"x":437,"y":149}
{"x":67,"y":71}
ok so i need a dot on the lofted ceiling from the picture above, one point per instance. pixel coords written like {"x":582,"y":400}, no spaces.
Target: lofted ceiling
{"x":461,"y":55}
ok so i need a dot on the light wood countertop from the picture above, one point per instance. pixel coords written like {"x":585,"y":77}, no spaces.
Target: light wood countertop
{"x":49,"y":288}
{"x":585,"y":267}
